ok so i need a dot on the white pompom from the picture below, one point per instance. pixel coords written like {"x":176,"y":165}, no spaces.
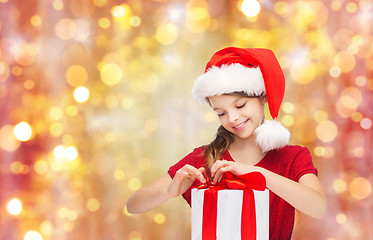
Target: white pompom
{"x":271,"y":135}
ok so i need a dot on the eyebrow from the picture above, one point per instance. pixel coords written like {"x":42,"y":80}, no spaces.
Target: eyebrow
{"x":215,"y":108}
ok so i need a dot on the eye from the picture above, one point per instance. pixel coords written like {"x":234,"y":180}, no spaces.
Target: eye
{"x":221,"y":114}
{"x":241,"y":106}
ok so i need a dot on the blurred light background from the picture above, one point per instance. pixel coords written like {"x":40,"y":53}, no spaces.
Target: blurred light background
{"x":96,"y":103}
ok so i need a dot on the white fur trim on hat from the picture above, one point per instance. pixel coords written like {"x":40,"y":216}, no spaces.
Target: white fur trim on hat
{"x":228,"y":79}
{"x":271,"y":135}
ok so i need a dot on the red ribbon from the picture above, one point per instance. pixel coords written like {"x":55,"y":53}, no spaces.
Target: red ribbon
{"x":246,"y":182}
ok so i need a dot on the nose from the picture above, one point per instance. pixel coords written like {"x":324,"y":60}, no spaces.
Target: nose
{"x":233,"y":116}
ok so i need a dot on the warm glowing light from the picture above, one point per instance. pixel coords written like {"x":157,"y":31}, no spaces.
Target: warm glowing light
{"x":46,"y":228}
{"x":176,"y":13}
{"x":167,"y":34}
{"x":125,"y":211}
{"x":351,"y":7}
{"x":76,"y":75}
{"x":336,"y":5}
{"x":72,"y":110}
{"x":29,"y":84}
{"x":111,"y":74}
{"x":361,"y":81}
{"x":356,"y":117}
{"x":134,"y":184}
{"x":58,"y":5}
{"x":360,"y":188}
{"x":127,"y":102}
{"x":287,"y":120}
{"x":321,"y":116}
{"x":366,"y":123}
{"x":135,"y":21}
{"x":56,"y":129}
{"x":351,"y":98}
{"x":197,"y":19}
{"x":119,"y":174}
{"x":250,"y":8}
{"x":335,"y":71}
{"x":288,"y":107}
{"x":59,"y":152}
{"x":341,"y":218}
{"x":145,"y":164}
{"x":41,"y":167}
{"x":81,"y":94}
{"x":326,"y":131}
{"x":63,"y":212}
{"x":55,"y":113}
{"x":159,"y":218}
{"x":345,"y":61}
{"x":33,"y":235}
{"x":319,"y":151}
{"x":8,"y":142}
{"x":93,"y":205}
{"x":339,"y":186}
{"x":71,"y":153}
{"x":25,"y":53}
{"x":134,"y":236}
{"x":35,"y":20}
{"x":65,"y":29}
{"x":23,"y":131}
{"x":17,"y":71}
{"x":104,"y":23}
{"x":14,"y":206}
{"x":118,"y":11}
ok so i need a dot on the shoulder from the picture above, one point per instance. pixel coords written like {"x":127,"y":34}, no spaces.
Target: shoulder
{"x":291,"y":150}
{"x":292,"y":161}
{"x":195,"y":158}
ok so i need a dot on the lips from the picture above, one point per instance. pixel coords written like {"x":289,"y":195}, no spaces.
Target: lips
{"x":241,"y":125}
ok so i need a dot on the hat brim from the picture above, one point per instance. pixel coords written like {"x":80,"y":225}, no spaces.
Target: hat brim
{"x":228,"y":79}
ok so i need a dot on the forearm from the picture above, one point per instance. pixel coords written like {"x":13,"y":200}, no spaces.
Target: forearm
{"x":146,"y":199}
{"x":308,"y":200}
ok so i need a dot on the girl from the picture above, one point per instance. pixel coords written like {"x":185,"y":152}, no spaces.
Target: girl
{"x":236,"y":84}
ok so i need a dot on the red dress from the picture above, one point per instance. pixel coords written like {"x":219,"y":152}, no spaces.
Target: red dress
{"x":291,"y":162}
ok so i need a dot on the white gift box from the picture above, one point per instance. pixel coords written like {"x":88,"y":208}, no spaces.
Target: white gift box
{"x":229,"y":210}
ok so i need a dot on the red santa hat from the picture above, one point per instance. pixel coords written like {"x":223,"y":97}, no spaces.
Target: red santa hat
{"x":254,"y":71}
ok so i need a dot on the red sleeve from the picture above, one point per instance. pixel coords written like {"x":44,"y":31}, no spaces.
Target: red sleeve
{"x":195,"y":158}
{"x":302,"y":165}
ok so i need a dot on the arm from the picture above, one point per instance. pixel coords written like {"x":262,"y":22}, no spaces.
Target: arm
{"x":306,"y":195}
{"x":164,"y":188}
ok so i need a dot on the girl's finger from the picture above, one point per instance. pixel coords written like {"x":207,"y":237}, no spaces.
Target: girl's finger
{"x":217,"y":165}
{"x":195,"y":173}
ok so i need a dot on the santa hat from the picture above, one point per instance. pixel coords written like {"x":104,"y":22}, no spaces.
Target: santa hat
{"x":254,"y":71}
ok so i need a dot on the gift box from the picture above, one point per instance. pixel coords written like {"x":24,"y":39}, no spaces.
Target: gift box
{"x":232,"y":210}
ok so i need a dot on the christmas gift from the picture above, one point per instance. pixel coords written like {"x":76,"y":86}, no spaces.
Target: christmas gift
{"x":235,"y":209}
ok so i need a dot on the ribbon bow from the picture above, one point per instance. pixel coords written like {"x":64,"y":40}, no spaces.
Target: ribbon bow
{"x":246,"y":182}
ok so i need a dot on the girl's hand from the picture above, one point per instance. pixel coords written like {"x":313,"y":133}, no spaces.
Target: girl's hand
{"x":222,"y":166}
{"x":184,"y":178}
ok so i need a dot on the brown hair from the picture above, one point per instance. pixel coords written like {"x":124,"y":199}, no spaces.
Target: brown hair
{"x":223,"y":139}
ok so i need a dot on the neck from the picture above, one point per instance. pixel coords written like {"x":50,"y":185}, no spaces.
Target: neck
{"x":247,"y":147}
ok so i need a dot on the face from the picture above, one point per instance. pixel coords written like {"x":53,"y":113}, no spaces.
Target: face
{"x":239,"y":115}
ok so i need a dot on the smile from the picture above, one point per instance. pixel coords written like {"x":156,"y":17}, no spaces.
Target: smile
{"x":239,"y":126}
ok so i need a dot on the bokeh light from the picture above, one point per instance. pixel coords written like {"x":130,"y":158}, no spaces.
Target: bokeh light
{"x":95,"y":103}
{"x":23,"y":131}
{"x":250,"y":8}
{"x":14,"y":206}
{"x":33,"y":235}
{"x":81,"y":94}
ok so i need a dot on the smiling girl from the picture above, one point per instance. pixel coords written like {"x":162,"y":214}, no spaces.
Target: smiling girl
{"x":236,"y":84}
